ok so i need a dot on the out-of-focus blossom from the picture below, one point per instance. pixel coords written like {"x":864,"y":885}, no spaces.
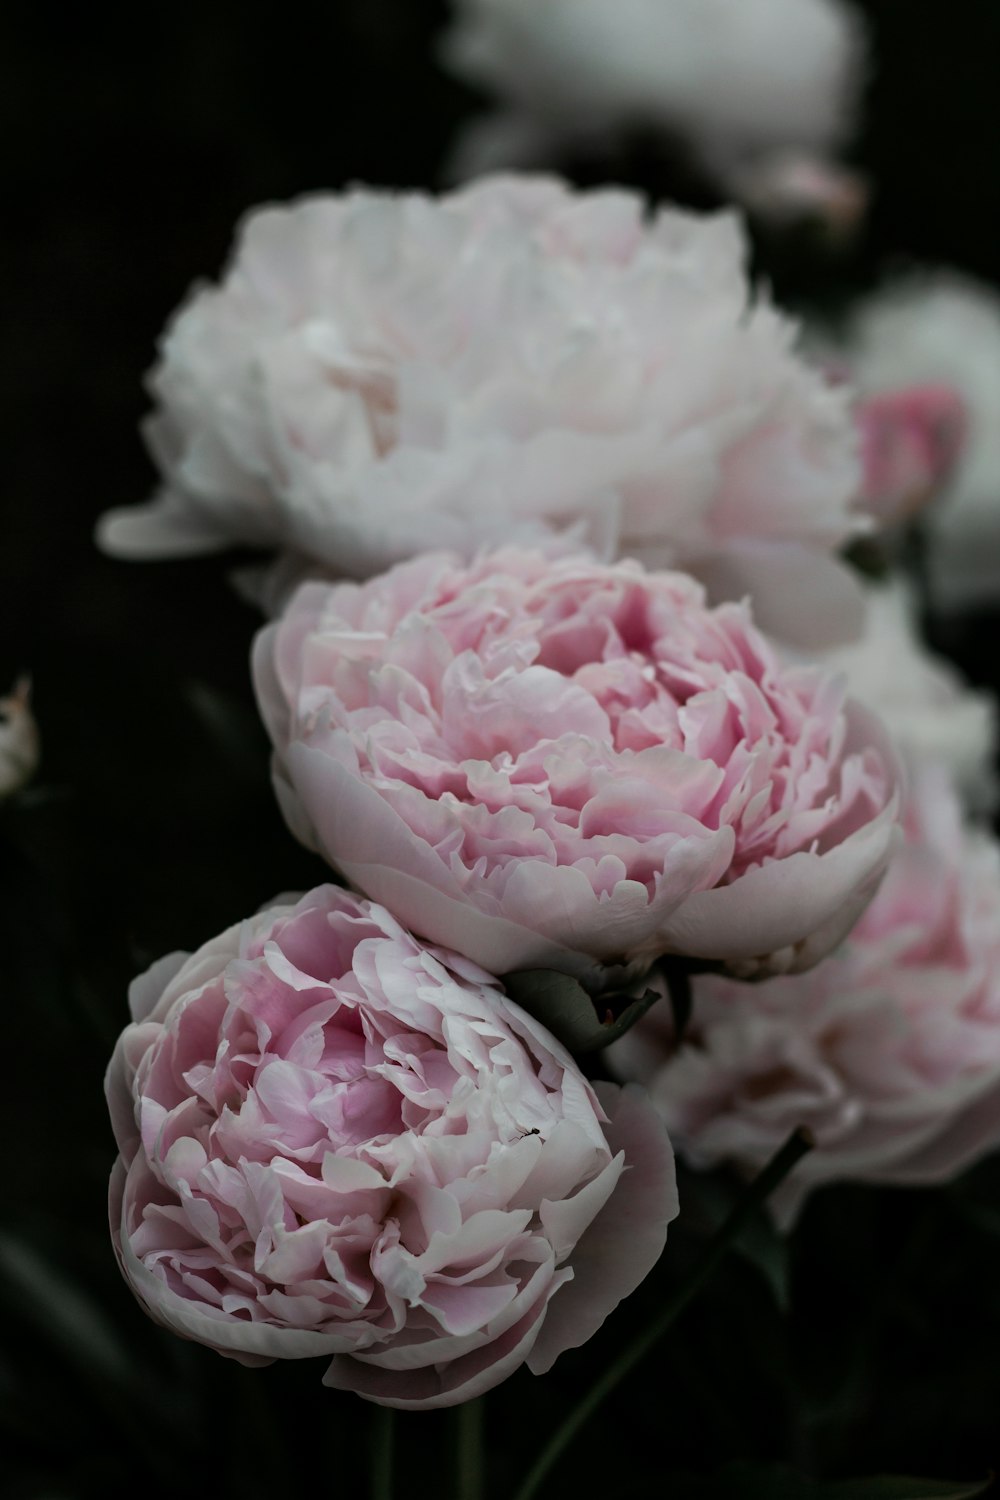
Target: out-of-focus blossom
{"x":19,"y":746}
{"x":931,"y":713}
{"x":911,"y":441}
{"x":764,"y":92}
{"x":377,"y":375}
{"x":944,"y":328}
{"x":789,"y":186}
{"x":574,"y":766}
{"x":888,"y":1052}
{"x":337,"y":1141}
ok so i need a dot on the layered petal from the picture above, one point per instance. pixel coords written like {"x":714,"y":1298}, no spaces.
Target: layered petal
{"x":557,"y":764}
{"x":377,"y":375}
{"x":337,"y":1141}
{"x":888,"y":1051}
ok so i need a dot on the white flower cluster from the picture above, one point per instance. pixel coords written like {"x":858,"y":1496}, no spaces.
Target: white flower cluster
{"x":764,"y":92}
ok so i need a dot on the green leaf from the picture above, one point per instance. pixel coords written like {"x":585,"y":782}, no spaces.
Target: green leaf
{"x":767,"y":1251}
{"x":707,"y":1198}
{"x":234,"y":732}
{"x":885,"y":1487}
{"x":677,"y":973}
{"x":66,"y":1314}
{"x":581,"y":1023}
{"x":982,"y":1215}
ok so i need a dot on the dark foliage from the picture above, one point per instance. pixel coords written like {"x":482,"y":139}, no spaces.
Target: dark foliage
{"x":870,"y":1344}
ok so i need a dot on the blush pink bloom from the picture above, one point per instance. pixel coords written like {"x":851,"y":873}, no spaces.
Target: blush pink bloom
{"x":889,"y":1052}
{"x":380,"y":374}
{"x":936,"y":327}
{"x":337,"y":1141}
{"x":911,"y":440}
{"x":570,"y":765}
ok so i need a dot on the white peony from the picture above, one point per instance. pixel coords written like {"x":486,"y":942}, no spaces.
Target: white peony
{"x":379,"y":374}
{"x":945,"y":328}
{"x":763,"y":91}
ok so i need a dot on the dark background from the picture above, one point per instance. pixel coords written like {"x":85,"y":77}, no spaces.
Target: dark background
{"x":131,"y":145}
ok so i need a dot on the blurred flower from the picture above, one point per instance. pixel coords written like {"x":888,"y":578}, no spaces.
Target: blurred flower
{"x":762,"y":91}
{"x":788,"y":187}
{"x":889,"y":1052}
{"x":568,"y":765}
{"x":911,"y":441}
{"x":377,"y":375}
{"x":19,"y":747}
{"x":944,"y":328}
{"x":931,"y":713}
{"x":337,"y":1141}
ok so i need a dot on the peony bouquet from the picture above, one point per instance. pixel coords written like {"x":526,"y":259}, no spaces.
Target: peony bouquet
{"x":638,"y":810}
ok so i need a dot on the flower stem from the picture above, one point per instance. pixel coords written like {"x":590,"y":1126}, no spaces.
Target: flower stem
{"x":798,"y":1143}
{"x":469,"y":1450}
{"x":382,"y":1440}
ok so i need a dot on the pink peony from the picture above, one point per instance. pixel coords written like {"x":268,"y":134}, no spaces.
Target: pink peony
{"x":938,"y":327}
{"x":911,"y":440}
{"x":889,"y":1052}
{"x":381,"y":374}
{"x":567,"y":765}
{"x":337,"y":1141}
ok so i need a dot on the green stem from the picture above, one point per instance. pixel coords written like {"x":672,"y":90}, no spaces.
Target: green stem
{"x":382,"y":1438}
{"x":469,"y":1450}
{"x":798,"y":1143}
{"x":677,"y":973}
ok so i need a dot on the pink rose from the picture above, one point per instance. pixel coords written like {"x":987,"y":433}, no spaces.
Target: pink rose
{"x":889,"y":1052}
{"x":567,"y":765}
{"x":337,"y":1141}
{"x":381,"y":374}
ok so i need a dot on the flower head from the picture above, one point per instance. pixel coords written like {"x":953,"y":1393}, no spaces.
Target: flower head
{"x":911,"y":441}
{"x":335,"y":1140}
{"x":762,"y":92}
{"x":570,"y":765}
{"x":380,"y":374}
{"x":938,"y":329}
{"x":889,"y":1051}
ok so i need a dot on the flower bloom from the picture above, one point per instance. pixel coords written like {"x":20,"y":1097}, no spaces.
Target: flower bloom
{"x":763,"y":92}
{"x":942,"y":329}
{"x":911,"y":441}
{"x":931,"y":713}
{"x":378,"y":374}
{"x":337,"y":1141}
{"x":567,"y":764}
{"x":889,"y":1051}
